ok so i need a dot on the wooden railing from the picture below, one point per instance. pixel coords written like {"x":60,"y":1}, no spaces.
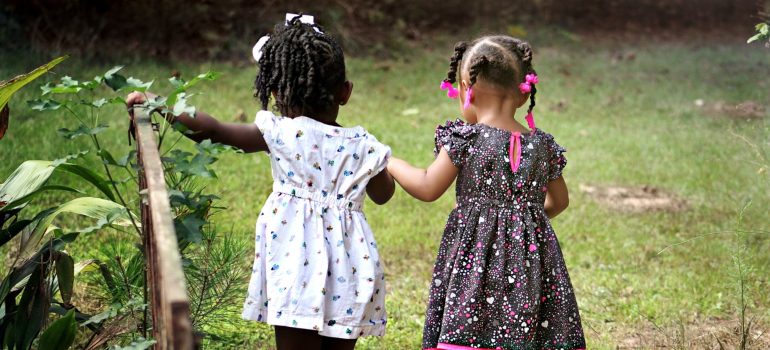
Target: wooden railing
{"x":170,"y":306}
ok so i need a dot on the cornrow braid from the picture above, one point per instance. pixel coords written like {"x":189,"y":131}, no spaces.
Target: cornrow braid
{"x":460,"y":48}
{"x":477,"y":65}
{"x":302,"y":66}
{"x":499,"y":59}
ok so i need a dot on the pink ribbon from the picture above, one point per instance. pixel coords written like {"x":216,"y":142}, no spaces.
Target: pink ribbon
{"x":467,"y":102}
{"x":530,"y":120}
{"x":515,"y":160}
{"x":451,"y":92}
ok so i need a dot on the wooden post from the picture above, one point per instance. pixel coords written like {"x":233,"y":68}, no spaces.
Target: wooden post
{"x":172,"y":327}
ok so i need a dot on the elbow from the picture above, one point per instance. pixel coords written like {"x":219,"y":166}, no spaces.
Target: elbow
{"x":428,"y":197}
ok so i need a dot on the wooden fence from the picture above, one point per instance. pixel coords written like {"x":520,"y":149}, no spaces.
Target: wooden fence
{"x":171,"y":325}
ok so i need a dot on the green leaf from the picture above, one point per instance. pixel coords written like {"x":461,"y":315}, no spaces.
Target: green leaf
{"x":137,"y":85}
{"x":81,"y":131}
{"x":65,"y":274}
{"x":96,"y":208}
{"x":21,"y":202}
{"x":66,"y":86}
{"x":8,"y":88}
{"x":88,"y":175}
{"x":127,"y":159}
{"x":107,"y":157}
{"x":180,"y":106}
{"x":60,"y":334}
{"x":188,"y":228}
{"x":27,"y":178}
{"x":44,"y":105}
{"x":115,"y":81}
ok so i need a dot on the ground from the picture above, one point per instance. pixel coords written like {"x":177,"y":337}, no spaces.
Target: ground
{"x":656,"y":116}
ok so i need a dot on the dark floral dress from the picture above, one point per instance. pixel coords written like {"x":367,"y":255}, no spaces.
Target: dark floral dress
{"x":500,"y":281}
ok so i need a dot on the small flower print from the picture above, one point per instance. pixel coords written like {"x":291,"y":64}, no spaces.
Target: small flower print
{"x":300,"y":133}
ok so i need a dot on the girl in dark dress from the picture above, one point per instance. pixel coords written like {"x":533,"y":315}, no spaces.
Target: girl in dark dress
{"x":499,"y":281}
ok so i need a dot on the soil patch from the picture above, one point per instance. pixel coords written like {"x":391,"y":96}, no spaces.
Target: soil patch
{"x":744,"y":110}
{"x":707,"y":334}
{"x":634,"y":199}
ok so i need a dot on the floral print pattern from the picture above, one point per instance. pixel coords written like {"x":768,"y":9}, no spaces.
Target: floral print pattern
{"x":500,"y":281}
{"x":316,"y":264}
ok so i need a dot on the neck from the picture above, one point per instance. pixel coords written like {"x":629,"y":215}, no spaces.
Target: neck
{"x":496,"y":108}
{"x":328,"y":116}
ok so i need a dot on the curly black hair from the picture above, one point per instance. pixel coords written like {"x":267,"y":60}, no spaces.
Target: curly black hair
{"x":498,"y":59}
{"x":305,"y":68}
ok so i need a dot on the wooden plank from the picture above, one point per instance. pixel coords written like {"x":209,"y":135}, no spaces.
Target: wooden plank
{"x":172,"y":327}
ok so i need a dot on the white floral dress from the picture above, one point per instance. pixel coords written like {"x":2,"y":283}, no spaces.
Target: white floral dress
{"x":316,"y":264}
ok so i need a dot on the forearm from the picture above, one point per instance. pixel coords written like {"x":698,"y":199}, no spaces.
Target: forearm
{"x":415,"y":181}
{"x":556,"y":197}
{"x":201,"y":127}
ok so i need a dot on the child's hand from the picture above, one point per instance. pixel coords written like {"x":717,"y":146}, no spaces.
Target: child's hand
{"x":137,"y":98}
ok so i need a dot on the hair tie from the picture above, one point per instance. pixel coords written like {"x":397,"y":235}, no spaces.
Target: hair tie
{"x":530,"y":120}
{"x":451,"y":91}
{"x":529,"y":81}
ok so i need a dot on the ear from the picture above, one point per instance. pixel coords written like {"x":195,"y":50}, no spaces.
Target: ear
{"x":464,"y":84}
{"x":523,"y":100}
{"x":345,"y":91}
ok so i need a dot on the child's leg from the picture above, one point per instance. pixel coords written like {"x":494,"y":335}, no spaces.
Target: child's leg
{"x":287,"y":338}
{"x":328,"y":343}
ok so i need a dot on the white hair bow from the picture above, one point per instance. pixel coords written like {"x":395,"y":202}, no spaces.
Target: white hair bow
{"x":257,"y":50}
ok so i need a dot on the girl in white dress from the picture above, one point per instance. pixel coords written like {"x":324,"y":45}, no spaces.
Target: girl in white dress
{"x":317,"y":275}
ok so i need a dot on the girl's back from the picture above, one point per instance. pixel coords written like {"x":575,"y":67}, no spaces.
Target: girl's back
{"x":316,"y":264}
{"x":326,"y":163}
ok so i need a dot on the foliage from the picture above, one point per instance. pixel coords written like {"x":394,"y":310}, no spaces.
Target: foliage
{"x":10,"y":87}
{"x":212,"y":281}
{"x":763,"y":34}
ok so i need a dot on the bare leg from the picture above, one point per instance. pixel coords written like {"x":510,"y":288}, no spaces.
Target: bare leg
{"x":328,"y":343}
{"x":287,"y":338}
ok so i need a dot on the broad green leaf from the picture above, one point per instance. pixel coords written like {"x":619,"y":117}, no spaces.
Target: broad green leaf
{"x":21,"y":202}
{"x":96,"y":208}
{"x":107,"y":157}
{"x":81,"y":131}
{"x":44,"y":105}
{"x":65,"y":275}
{"x":8,"y":88}
{"x":188,"y":228}
{"x":89,"y":175}
{"x":60,"y":334}
{"x":13,"y":230}
{"x":27,"y":178}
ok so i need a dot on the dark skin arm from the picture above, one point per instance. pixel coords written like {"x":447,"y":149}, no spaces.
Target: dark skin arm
{"x":248,"y":138}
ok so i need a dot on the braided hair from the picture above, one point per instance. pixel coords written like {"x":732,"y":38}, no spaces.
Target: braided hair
{"x":499,"y":59}
{"x":303,"y":67}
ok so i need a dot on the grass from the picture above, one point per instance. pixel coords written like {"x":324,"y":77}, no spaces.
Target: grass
{"x":624,"y":122}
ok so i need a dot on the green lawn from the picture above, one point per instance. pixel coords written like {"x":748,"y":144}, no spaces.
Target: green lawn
{"x":625,"y":122}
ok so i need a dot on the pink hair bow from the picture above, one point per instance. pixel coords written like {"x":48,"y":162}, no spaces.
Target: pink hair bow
{"x":529,"y":81}
{"x":451,"y":91}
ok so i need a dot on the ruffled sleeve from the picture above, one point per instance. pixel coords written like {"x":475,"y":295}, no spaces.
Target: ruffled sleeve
{"x":380,"y":154}
{"x":456,"y":138}
{"x":266,"y":122}
{"x":556,"y":159}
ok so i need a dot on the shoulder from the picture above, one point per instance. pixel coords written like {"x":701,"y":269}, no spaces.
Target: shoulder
{"x":456,"y":128}
{"x":548,"y":140}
